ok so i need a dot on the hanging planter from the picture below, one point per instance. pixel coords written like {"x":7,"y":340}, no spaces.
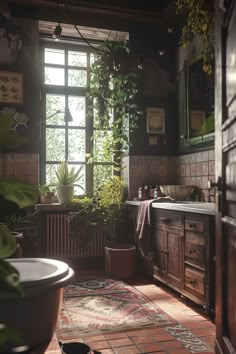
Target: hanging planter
{"x":114,"y":86}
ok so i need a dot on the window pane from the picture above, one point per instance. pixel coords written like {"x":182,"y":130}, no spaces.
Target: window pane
{"x":101,"y":174}
{"x":51,"y":174}
{"x":54,"y":76}
{"x":77,"y":110}
{"x":54,"y":56}
{"x":55,"y":144}
{"x":76,"y":145}
{"x":79,"y":188}
{"x":77,"y":78}
{"x":102,"y":151}
{"x":91,"y":59}
{"x":77,"y":58}
{"x":55,"y":103}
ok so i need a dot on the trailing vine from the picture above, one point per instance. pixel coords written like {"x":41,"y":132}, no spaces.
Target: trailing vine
{"x":200,"y":21}
{"x":113,"y":90}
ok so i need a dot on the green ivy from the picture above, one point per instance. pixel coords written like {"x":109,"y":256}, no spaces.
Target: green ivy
{"x":199,"y":21}
{"x":114,"y":94}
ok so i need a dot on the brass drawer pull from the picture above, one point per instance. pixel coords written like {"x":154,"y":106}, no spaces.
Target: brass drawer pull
{"x":192,"y":251}
{"x":193,"y":282}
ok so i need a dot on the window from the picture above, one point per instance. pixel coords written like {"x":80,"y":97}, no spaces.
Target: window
{"x":65,"y":72}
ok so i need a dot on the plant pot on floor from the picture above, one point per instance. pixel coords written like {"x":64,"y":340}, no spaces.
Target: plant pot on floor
{"x":65,"y":193}
{"x":120,"y":261}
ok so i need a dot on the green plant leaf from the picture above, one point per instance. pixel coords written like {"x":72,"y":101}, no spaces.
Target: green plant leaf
{"x":7,"y":242}
{"x":19,"y":192}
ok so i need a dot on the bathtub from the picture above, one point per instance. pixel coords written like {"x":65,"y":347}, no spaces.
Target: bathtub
{"x":34,"y":316}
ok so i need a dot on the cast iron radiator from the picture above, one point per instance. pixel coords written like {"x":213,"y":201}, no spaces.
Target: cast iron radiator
{"x":59,"y":242}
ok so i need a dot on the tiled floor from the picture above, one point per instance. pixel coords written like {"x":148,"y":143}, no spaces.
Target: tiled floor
{"x":195,"y":331}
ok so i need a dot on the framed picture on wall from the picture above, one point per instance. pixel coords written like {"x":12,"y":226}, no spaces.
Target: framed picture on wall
{"x":155,"y":120}
{"x":11,"y":87}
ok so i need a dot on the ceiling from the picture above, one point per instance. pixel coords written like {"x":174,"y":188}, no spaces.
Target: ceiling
{"x":121,"y":14}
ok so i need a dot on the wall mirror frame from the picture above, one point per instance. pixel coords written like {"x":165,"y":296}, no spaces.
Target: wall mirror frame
{"x":196,"y":107}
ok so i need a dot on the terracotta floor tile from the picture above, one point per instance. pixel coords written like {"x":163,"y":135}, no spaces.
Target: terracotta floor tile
{"x":117,"y":335}
{"x":120,"y":342}
{"x":142,"y":339}
{"x":94,"y":338}
{"x":150,"y":347}
{"x":131,"y":349}
{"x":201,"y":332}
{"x":163,"y":337}
{"x":108,"y":351}
{"x":171,"y":345}
{"x":99,"y":345}
{"x":180,"y":351}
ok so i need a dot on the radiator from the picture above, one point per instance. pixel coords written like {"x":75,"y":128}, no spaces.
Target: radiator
{"x":59,"y":242}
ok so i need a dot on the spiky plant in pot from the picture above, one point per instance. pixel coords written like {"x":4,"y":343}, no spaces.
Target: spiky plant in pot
{"x":66,"y":180}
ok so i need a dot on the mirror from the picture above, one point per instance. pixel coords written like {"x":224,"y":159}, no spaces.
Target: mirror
{"x":200,"y":102}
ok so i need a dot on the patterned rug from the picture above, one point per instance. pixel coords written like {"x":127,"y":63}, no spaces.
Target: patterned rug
{"x":106,"y":305}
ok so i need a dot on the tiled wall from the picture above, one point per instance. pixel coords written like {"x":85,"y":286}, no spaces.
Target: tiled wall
{"x":21,"y":165}
{"x":196,"y":169}
{"x":191,"y":169}
{"x":151,"y":170}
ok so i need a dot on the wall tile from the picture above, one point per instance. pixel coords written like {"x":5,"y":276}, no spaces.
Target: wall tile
{"x":193,"y":169}
{"x":187,"y":170}
{"x":211,"y":168}
{"x":199,"y":169}
{"x":205,"y":168}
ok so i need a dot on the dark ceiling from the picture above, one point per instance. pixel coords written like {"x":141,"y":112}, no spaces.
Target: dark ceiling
{"x":119,"y":14}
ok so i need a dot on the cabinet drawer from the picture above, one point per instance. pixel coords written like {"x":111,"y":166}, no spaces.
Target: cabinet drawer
{"x":169,"y":219}
{"x":195,"y":251}
{"x":194,"y":225}
{"x":195,"y":280}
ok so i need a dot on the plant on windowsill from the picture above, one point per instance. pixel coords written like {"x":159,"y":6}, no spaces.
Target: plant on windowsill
{"x":199,"y":21}
{"x":113,"y":91}
{"x":46,"y":194}
{"x":66,"y":180}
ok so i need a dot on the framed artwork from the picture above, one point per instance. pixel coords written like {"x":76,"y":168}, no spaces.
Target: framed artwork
{"x":11,"y":87}
{"x":155,"y":120}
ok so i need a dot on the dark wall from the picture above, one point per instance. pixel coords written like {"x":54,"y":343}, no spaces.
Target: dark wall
{"x":26,"y":63}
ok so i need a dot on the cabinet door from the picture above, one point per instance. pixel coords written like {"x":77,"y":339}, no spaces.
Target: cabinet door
{"x":160,"y":246}
{"x":174,"y":255}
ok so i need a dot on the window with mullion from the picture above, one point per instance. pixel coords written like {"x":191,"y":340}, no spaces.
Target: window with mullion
{"x":65,"y":78}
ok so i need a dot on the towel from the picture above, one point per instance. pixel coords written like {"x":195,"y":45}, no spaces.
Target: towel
{"x":143,"y":230}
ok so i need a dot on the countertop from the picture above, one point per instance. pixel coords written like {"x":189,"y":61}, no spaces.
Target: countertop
{"x":187,"y":206}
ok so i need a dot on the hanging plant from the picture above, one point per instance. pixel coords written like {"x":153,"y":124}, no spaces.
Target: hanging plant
{"x":199,"y":21}
{"x":113,"y":90}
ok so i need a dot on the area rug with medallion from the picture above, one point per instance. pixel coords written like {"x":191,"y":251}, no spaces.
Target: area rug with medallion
{"x":98,"y":306}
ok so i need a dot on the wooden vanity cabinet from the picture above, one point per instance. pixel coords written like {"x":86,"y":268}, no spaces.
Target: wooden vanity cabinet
{"x":184,"y":248}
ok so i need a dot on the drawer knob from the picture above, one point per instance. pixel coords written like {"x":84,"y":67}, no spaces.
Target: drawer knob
{"x":192,"y":251}
{"x":192,"y":282}
{"x":192,"y":226}
{"x":165,"y":220}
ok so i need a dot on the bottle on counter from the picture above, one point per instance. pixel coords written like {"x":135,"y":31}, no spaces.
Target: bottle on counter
{"x":147,"y":192}
{"x":156,"y":192}
{"x":140,"y":193}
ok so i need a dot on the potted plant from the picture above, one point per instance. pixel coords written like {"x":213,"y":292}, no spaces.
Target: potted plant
{"x":66,"y":179}
{"x":47,"y":196}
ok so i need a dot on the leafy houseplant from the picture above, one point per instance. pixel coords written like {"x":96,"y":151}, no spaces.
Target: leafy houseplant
{"x":23,"y":195}
{"x":47,"y":195}
{"x":66,"y":178}
{"x":199,"y":21}
{"x":113,"y":91}
{"x":103,"y":211}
